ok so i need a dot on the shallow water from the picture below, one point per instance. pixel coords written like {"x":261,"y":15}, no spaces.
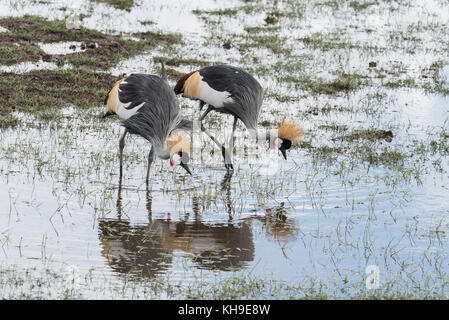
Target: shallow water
{"x":25,"y":67}
{"x":63,"y":47}
{"x":314,"y":221}
{"x":159,"y":13}
{"x":64,"y":206}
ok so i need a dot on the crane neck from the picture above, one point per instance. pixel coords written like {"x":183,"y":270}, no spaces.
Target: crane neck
{"x":264,"y":134}
{"x":161,"y":151}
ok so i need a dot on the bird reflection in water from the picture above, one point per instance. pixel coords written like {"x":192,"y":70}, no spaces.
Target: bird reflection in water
{"x":147,"y":250}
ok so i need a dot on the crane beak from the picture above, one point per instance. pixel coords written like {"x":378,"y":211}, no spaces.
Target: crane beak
{"x":109,"y":113}
{"x":284,"y":152}
{"x":186,"y":167}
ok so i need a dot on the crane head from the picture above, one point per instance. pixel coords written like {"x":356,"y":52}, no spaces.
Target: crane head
{"x":179,"y":148}
{"x":282,"y":144}
{"x":181,"y":158}
{"x":287,"y":132}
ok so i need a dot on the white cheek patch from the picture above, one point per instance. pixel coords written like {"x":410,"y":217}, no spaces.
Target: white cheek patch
{"x":277,"y":143}
{"x":213,"y":97}
{"x":176,"y":159}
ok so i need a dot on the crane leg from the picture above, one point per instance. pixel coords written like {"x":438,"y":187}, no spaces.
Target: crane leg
{"x":119,"y":199}
{"x":202,"y":103}
{"x":121,"y":146}
{"x":231,"y":140}
{"x":149,"y":203}
{"x":150,"y":161}
{"x":226,"y":186}
{"x":209,"y":109}
{"x":224,"y":152}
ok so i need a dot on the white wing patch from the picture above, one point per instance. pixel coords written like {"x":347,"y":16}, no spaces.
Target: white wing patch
{"x":124,"y":113}
{"x":121,"y":111}
{"x":213,"y":97}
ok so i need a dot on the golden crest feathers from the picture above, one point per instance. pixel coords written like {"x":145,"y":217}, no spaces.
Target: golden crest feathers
{"x":288,"y":129}
{"x":111,"y":99}
{"x":178,"y":143}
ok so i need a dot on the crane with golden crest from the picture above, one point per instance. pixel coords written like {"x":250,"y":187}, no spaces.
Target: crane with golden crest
{"x":148,"y":107}
{"x":231,"y":90}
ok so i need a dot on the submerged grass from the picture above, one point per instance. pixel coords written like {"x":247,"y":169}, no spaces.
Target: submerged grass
{"x":47,"y":283}
{"x":362,"y":5}
{"x":438,"y":83}
{"x":178,"y":61}
{"x":8,"y":120}
{"x":102,"y":51}
{"x":333,"y":41}
{"x":32,"y":28}
{"x":119,"y":4}
{"x":13,"y":51}
{"x":218,"y":12}
{"x":46,"y":90}
{"x":369,"y":134}
{"x":343,"y":83}
{"x":272,"y":42}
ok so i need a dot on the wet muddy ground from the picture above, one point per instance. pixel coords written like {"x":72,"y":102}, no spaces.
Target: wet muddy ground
{"x":366,"y":186}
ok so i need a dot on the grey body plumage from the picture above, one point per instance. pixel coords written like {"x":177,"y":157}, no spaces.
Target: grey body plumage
{"x":149,"y":108}
{"x":158,"y":116}
{"x":225,"y":89}
{"x":244,"y":89}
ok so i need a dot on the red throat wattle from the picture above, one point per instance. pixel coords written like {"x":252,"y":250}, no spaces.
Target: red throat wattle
{"x":171,"y":163}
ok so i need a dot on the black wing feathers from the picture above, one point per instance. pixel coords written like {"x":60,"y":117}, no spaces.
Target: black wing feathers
{"x":136,"y":89}
{"x":231,"y":79}
{"x":155,"y":119}
{"x":246,"y":92}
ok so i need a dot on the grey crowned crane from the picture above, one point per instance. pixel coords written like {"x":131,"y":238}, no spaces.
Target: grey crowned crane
{"x":148,"y":107}
{"x":231,"y":90}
